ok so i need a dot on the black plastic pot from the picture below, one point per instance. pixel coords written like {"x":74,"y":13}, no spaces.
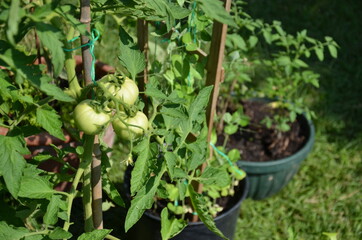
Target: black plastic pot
{"x":268,"y":178}
{"x":149,"y":226}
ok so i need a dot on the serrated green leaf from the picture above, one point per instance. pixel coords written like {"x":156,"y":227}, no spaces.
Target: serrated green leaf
{"x":49,"y":36}
{"x":49,"y":119}
{"x":173,"y":112}
{"x":130,"y":56}
{"x":215,"y":176}
{"x":200,"y":205}
{"x":155,"y":93}
{"x":12,"y":161}
{"x":216,"y":10}
{"x":144,"y":198}
{"x":98,"y":234}
{"x":60,"y":233}
{"x":170,"y":227}
{"x":171,"y":160}
{"x":51,"y":215}
{"x":35,"y":187}
{"x":200,"y":103}
{"x":112,"y":191}
{"x":177,"y":11}
{"x":11,"y":233}
{"x":140,"y":172}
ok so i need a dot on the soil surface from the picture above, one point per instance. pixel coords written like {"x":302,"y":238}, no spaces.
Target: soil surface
{"x":257,"y":143}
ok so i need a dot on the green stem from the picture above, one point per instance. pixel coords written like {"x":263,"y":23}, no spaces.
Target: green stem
{"x":110,"y":237}
{"x":71,"y":196}
{"x":74,"y":87}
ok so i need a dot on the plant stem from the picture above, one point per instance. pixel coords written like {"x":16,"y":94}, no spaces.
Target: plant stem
{"x":70,"y":65}
{"x":87,"y":195}
{"x":110,"y":237}
{"x":72,"y":194}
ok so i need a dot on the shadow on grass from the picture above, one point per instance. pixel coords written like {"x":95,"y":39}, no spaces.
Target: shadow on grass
{"x":339,"y":99}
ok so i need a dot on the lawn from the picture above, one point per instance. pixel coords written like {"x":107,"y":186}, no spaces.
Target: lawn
{"x":325,"y":195}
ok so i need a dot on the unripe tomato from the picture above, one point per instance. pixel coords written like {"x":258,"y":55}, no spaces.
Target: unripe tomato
{"x":131,"y":132}
{"x":89,"y":119}
{"x":127,"y":91}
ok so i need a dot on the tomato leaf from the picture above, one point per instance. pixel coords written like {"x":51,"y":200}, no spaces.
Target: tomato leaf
{"x":51,"y":215}
{"x":112,"y":191}
{"x":49,"y":36}
{"x":15,"y":15}
{"x":170,"y":227}
{"x":199,"y":104}
{"x":215,"y":176}
{"x":35,"y":187}
{"x":144,"y":198}
{"x":140,"y":172}
{"x":216,"y":10}
{"x":171,"y":160}
{"x":60,"y":233}
{"x":130,"y":56}
{"x":199,"y":203}
{"x":12,"y":162}
{"x":98,"y":234}
{"x":49,"y":119}
{"x":8,"y":232}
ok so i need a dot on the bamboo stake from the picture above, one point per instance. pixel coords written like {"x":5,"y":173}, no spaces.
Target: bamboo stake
{"x":214,"y":77}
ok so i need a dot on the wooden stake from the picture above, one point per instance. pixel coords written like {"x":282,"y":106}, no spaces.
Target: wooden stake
{"x":214,"y":75}
{"x":85,"y":18}
{"x":96,"y":173}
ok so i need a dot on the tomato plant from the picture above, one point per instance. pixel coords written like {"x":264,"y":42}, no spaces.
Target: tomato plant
{"x":129,"y":128}
{"x":90,"y":118}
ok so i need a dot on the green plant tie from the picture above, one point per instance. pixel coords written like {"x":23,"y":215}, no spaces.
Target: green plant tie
{"x":92,"y":40}
{"x":241,"y":173}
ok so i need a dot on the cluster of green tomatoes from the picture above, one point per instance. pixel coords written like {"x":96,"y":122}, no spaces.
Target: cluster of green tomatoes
{"x":114,"y":103}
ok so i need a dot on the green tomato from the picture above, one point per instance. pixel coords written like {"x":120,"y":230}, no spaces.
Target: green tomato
{"x":89,"y":119}
{"x":127,"y":91}
{"x":139,"y":124}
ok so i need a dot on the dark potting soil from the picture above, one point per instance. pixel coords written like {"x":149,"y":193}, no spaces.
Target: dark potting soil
{"x":257,"y":143}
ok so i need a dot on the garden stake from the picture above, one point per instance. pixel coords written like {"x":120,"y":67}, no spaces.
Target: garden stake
{"x":95,"y":173}
{"x":214,"y":75}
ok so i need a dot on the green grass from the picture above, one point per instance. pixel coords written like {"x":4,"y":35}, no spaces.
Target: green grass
{"x":325,"y":195}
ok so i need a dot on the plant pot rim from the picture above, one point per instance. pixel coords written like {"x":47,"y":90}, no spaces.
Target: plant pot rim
{"x":245,"y":181}
{"x":306,"y":148}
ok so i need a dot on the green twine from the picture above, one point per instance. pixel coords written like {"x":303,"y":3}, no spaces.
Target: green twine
{"x":241,"y":173}
{"x":95,"y":36}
